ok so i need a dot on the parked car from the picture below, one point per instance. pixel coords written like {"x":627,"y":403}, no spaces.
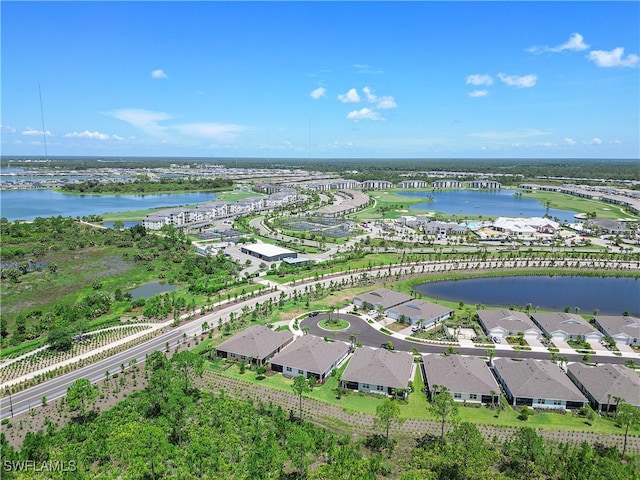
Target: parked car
{"x":387,"y":346}
{"x":313,"y":314}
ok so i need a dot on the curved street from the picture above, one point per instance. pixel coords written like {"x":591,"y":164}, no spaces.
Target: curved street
{"x":372,"y":337}
{"x":368,"y":335}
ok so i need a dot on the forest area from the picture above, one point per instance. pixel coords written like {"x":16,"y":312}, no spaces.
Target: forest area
{"x":173,"y":429}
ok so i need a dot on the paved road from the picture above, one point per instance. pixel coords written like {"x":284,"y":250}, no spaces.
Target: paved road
{"x":371,"y":337}
{"x":56,"y":387}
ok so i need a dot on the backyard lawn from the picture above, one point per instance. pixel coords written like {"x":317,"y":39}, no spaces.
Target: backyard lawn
{"x":416,"y":406}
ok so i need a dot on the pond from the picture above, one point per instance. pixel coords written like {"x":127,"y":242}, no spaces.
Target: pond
{"x":152,"y":288}
{"x":489,"y":203}
{"x":29,"y":204}
{"x":610,"y":295}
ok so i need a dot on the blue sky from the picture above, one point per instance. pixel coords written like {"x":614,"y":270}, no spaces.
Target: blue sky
{"x":322,"y":79}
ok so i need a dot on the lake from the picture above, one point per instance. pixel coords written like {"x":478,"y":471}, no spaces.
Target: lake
{"x":29,"y":204}
{"x":152,"y":288}
{"x":610,"y":295}
{"x":490,"y":203}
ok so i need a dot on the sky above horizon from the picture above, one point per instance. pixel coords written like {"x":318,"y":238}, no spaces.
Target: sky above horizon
{"x":321,"y":79}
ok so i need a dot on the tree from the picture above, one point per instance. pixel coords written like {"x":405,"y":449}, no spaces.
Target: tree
{"x":627,"y":416}
{"x":491,"y":353}
{"x":186,"y":364}
{"x":79,"y":394}
{"x":387,"y":413}
{"x":300,"y":386}
{"x":442,"y":406}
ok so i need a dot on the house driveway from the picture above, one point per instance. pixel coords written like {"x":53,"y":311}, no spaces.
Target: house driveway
{"x":625,"y":348}
{"x":562,"y":344}
{"x":598,"y":347}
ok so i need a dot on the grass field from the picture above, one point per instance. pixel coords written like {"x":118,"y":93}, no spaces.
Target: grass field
{"x":563,"y":201}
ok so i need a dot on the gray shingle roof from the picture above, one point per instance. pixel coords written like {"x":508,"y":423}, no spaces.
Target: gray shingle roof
{"x":620,"y":324}
{"x":256,"y":341}
{"x":509,"y":320}
{"x":460,"y":373}
{"x":378,"y":366}
{"x":563,"y":322}
{"x":537,"y":379}
{"x":311,"y":353}
{"x":421,"y":308}
{"x":385,"y":297}
{"x":608,"y":379}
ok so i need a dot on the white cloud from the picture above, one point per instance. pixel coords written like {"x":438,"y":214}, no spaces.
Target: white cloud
{"x":87,"y":134}
{"x":575,"y":43}
{"x":350,"y":97}
{"x":318,"y":93}
{"x":524,"y":81}
{"x":613,"y":58}
{"x":145,"y":120}
{"x":479,"y":93}
{"x":569,"y":141}
{"x":7,"y":129}
{"x":524,"y":133}
{"x":477,"y":80}
{"x":593,"y":141}
{"x":386,"y":102}
{"x":159,"y":73}
{"x":32,"y":132}
{"x":215,"y":131}
{"x":148,"y":122}
{"x":364,"y":114}
{"x":369,"y":94}
{"x":364,"y":68}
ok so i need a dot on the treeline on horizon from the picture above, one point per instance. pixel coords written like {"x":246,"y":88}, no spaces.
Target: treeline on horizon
{"x":144,"y":185}
{"x":392,"y":169}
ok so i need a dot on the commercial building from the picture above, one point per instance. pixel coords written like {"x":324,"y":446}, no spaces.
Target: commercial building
{"x":268,"y":252}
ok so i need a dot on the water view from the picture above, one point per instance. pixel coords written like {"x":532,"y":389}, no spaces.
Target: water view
{"x":29,"y":204}
{"x":493,"y":203}
{"x":610,"y":295}
{"x":152,"y":288}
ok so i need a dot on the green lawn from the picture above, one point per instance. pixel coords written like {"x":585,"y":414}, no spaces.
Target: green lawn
{"x":334,"y":324}
{"x":563,"y":201}
{"x":416,"y":406}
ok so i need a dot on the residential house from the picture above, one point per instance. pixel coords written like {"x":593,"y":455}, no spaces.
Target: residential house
{"x":257,"y":343}
{"x":537,"y":384}
{"x":377,"y":370}
{"x":420,"y":312}
{"x":622,"y":328}
{"x":566,"y":326}
{"x":468,"y":378}
{"x":507,"y":323}
{"x":607,"y":384}
{"x":382,"y":298}
{"x":310,"y":356}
